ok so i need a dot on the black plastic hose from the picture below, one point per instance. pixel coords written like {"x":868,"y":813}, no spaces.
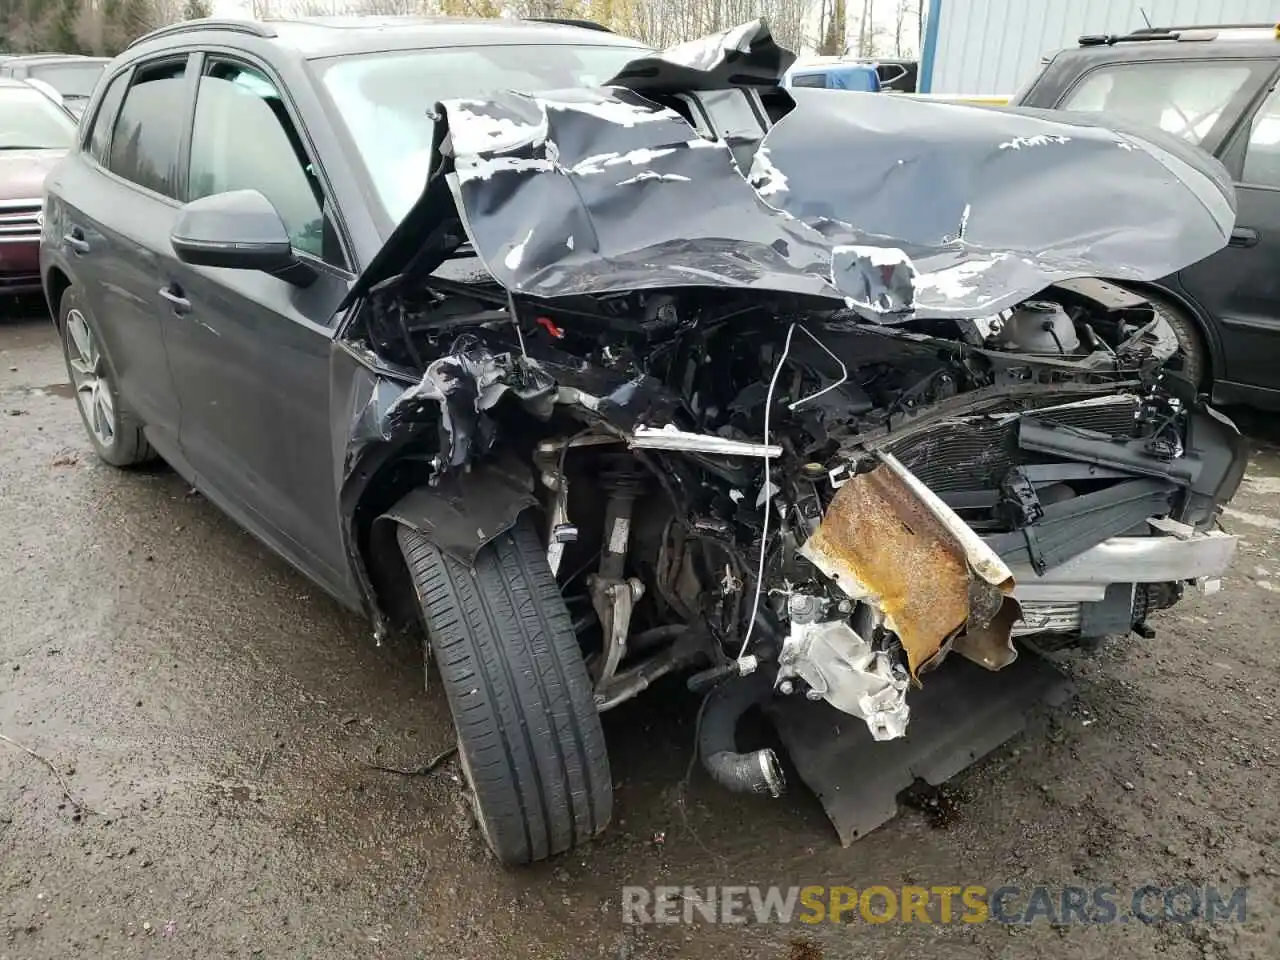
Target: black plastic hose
{"x":754,"y":772}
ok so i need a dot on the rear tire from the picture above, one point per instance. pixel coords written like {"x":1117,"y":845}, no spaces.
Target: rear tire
{"x":529,"y":735}
{"x":113,"y":428}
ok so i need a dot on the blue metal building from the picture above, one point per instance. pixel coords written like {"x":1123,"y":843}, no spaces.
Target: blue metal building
{"x":995,"y":46}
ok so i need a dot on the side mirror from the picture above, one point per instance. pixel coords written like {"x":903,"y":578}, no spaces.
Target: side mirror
{"x":238,"y":230}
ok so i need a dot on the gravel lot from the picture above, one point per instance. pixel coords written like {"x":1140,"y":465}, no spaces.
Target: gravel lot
{"x":221,"y":715}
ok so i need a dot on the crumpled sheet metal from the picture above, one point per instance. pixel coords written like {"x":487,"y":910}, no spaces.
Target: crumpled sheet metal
{"x":886,"y":545}
{"x":738,"y":56}
{"x":595,"y":191}
{"x":983,"y":202}
{"x":894,"y":206}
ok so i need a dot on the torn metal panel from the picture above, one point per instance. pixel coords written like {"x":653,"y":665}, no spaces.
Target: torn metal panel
{"x":465,"y":511}
{"x":743,"y":55}
{"x":984,"y":202}
{"x":603,"y":190}
{"x":907,"y":555}
{"x":565,"y":211}
{"x":463,"y":384}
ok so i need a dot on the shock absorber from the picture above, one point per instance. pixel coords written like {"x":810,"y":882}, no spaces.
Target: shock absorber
{"x":622,"y":484}
{"x":612,"y":594}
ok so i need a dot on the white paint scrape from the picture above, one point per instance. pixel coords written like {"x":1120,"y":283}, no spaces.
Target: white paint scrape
{"x":516,"y":253}
{"x":596,"y":163}
{"x":877,"y":256}
{"x":765,"y":177}
{"x":623,"y":114}
{"x":953,"y":283}
{"x":1039,"y":140}
{"x":653,"y":175}
{"x":475,"y":132}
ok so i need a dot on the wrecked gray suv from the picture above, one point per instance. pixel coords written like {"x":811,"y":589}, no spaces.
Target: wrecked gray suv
{"x":796,"y":393}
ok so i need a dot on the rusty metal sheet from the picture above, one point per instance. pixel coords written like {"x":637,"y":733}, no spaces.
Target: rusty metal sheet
{"x":886,"y":544}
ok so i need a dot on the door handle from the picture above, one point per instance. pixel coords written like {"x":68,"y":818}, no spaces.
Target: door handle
{"x":76,"y":241}
{"x":174,"y":295}
{"x":1244,"y":237}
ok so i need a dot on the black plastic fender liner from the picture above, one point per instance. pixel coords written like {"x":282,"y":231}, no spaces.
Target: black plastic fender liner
{"x":465,"y":511}
{"x":754,"y":772}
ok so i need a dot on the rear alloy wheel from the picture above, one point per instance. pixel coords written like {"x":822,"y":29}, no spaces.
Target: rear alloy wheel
{"x":114,"y":430}
{"x":529,"y":735}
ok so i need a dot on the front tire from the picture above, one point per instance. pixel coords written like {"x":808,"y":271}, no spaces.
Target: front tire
{"x":113,"y":428}
{"x":1196,"y":362}
{"x":529,"y":735}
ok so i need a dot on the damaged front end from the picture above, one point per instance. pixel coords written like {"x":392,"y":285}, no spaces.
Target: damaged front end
{"x":815,"y":387}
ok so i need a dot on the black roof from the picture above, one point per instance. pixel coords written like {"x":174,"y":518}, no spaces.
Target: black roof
{"x":316,"y":37}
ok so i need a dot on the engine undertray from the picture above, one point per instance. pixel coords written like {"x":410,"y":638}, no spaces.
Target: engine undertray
{"x":959,"y":715}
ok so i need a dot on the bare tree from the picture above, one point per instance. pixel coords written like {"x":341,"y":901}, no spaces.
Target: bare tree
{"x":900,"y":18}
{"x":835,"y":29}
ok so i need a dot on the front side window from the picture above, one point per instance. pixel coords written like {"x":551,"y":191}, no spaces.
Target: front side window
{"x":243,"y":139}
{"x":1184,"y":98}
{"x":145,"y":136}
{"x":1262,"y":154}
{"x":29,"y":120}
{"x":385,"y":99}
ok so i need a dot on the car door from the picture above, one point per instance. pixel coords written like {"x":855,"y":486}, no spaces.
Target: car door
{"x":1240,"y":285}
{"x":117,"y":205}
{"x":250,"y":350}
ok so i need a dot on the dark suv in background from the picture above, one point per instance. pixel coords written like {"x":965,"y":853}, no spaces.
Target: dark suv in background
{"x":1216,"y":87}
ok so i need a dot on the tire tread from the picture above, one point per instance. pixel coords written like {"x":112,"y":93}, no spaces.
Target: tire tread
{"x":519,"y":692}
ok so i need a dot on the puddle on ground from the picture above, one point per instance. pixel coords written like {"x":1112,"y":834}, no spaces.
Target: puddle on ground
{"x":57,"y":389}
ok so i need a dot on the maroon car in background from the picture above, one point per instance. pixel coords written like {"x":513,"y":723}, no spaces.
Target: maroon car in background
{"x":34,"y":134}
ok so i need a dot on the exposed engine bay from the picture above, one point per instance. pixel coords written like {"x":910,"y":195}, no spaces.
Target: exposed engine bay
{"x":731,"y":480}
{"x":768,"y":443}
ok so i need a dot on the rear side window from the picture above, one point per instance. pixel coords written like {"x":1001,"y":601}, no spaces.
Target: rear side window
{"x":100,"y":132}
{"x":1262,"y":155}
{"x":145,"y":136}
{"x":1185,"y":98}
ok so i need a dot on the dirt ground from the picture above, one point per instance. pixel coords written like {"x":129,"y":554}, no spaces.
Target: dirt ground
{"x":220,"y":716}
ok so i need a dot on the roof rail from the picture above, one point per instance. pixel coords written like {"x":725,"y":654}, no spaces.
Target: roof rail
{"x":1209,"y":26}
{"x":252,"y":27}
{"x":1203,"y":31}
{"x":1107,"y":39}
{"x":569,"y":22}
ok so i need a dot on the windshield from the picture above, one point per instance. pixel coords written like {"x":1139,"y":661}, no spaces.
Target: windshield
{"x":75,"y":80}
{"x":385,"y":99}
{"x":29,"y":120}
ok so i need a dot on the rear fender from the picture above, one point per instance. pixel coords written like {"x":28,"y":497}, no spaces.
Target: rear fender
{"x":464,"y":511}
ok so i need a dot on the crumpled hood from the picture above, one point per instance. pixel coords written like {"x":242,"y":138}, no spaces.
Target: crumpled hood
{"x":897,"y":207}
